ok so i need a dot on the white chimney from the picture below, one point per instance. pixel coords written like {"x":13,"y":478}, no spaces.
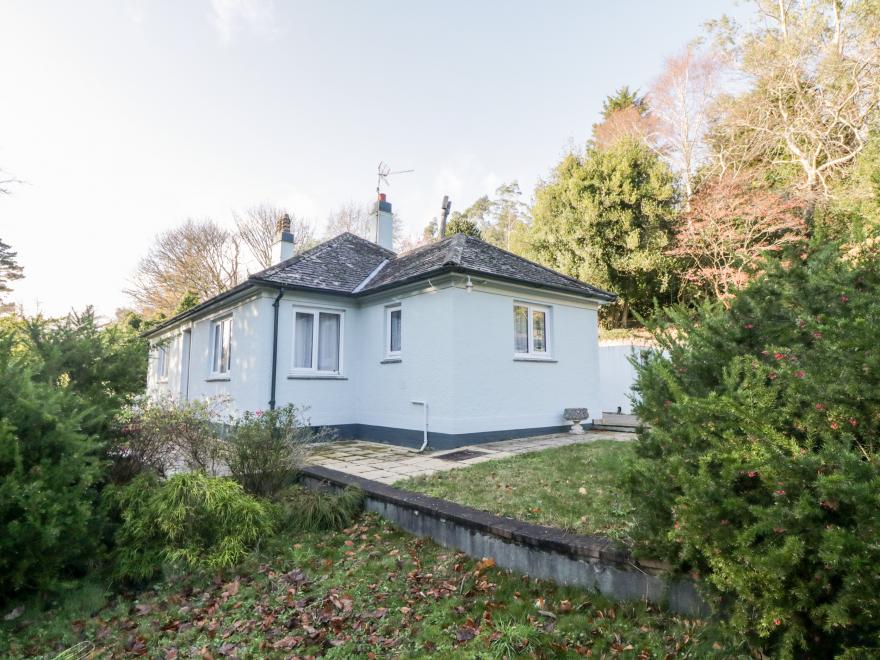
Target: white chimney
{"x":282,"y":248}
{"x":383,"y":233}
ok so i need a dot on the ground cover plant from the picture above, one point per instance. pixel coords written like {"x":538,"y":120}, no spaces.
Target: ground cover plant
{"x":764,"y":420}
{"x":369,"y":591}
{"x":574,"y":488}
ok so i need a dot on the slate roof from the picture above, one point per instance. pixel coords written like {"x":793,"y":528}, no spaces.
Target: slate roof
{"x":338,"y":265}
{"x":350,"y":265}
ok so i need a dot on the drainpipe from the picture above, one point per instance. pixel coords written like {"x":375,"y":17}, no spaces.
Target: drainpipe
{"x":425,"y":441}
{"x":275,"y":305}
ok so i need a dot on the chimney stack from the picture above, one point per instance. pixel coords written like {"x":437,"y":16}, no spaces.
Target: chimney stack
{"x":445,"y":205}
{"x":383,"y":223}
{"x":282,"y":249}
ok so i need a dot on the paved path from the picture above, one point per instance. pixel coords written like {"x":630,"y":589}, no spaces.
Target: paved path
{"x":389,"y":463}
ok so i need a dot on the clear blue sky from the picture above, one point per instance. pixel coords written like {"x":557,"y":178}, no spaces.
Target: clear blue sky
{"x":126,"y":117}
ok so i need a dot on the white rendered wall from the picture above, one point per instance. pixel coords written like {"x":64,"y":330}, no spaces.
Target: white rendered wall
{"x":616,"y":376}
{"x":456,"y":354}
{"x":494,"y":391}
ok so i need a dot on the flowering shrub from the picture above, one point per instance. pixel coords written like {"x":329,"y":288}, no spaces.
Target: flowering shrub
{"x":760,"y":469}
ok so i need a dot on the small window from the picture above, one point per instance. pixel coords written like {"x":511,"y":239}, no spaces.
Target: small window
{"x":393,"y":328}
{"x":531,"y":326}
{"x":317,"y":341}
{"x":221,"y":341}
{"x":162,"y":362}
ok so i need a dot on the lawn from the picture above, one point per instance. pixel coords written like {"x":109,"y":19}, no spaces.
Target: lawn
{"x":370,"y":591}
{"x":572,"y":488}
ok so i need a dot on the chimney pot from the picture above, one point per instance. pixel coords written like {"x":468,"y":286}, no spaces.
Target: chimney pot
{"x":382,"y":197}
{"x":282,"y":249}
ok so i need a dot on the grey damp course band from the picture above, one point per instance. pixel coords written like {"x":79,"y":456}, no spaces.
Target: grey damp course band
{"x":592,"y":562}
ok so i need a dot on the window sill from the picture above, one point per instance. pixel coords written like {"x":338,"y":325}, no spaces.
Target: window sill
{"x":391,"y":360}
{"x":212,"y":379}
{"x":524,"y":358}
{"x":162,"y":381}
{"x":316,"y":377}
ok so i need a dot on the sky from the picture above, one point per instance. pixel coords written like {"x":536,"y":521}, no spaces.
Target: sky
{"x":123,"y":118}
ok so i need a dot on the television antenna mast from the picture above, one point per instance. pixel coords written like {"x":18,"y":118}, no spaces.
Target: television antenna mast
{"x":383,"y":172}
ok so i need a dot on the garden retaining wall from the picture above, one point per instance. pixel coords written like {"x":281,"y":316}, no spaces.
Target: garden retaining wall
{"x":591,"y":562}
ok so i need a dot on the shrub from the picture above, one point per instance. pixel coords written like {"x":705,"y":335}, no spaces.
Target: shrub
{"x":48,"y":471}
{"x":760,"y":469}
{"x":160,"y":433}
{"x":266,"y":448}
{"x":305,"y":510}
{"x":191,"y":520}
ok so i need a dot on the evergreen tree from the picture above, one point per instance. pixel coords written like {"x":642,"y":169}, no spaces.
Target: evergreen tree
{"x":9,"y":272}
{"x":607,"y":218}
{"x":462,"y":225}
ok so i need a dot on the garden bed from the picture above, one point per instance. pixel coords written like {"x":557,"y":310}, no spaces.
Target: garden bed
{"x":368,"y":591}
{"x":572,"y":488}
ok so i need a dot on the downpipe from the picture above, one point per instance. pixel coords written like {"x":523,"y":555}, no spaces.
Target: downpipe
{"x":424,"y":404}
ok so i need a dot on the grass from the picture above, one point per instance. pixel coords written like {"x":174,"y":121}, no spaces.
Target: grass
{"x":370,"y":591}
{"x":572,"y":488}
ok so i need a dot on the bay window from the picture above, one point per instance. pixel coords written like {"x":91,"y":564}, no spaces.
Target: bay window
{"x":317,"y":341}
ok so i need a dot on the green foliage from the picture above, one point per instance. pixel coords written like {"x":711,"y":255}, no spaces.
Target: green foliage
{"x":461,"y":225}
{"x":265,"y":449}
{"x":190,"y":299}
{"x":607,"y":218}
{"x":10,"y":270}
{"x":760,"y":467}
{"x":48,"y":470}
{"x":105,"y":366}
{"x":622,"y":99}
{"x":305,"y":510}
{"x":191,"y":520}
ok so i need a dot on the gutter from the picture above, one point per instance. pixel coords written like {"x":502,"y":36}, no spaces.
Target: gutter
{"x":275,"y":306}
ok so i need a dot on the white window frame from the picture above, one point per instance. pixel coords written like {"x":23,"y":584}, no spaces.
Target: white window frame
{"x":316,"y":312}
{"x":162,"y":362}
{"x":532,"y":354}
{"x":225,"y":369}
{"x":389,"y":310}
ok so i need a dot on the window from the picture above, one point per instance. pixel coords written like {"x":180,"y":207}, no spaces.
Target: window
{"x":317,"y":341}
{"x":221,"y":341}
{"x":162,"y":362}
{"x":393,"y":327}
{"x":531,"y":325}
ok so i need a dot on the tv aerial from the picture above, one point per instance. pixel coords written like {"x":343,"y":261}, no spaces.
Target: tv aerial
{"x":383,"y":172}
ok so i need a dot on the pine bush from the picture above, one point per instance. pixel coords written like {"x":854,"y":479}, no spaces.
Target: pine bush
{"x":758,"y":468}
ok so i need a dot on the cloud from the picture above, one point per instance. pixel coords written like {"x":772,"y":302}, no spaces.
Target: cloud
{"x":232,"y":16}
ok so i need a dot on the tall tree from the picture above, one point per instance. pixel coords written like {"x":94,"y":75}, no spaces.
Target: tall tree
{"x":681,"y":99}
{"x":814,"y":74}
{"x":257,"y":228}
{"x":625,"y":114}
{"x":607,"y":218}
{"x":508,"y":218}
{"x":200,"y":257}
{"x":10,"y":271}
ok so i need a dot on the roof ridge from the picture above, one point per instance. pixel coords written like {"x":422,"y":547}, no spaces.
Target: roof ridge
{"x":453,"y":252}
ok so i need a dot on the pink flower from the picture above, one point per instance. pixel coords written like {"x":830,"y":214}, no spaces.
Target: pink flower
{"x":772,"y":375}
{"x":834,"y":425}
{"x":777,"y":622}
{"x":800,"y":373}
{"x":853,"y":421}
{"x":259,"y":413}
{"x":752,"y":474}
{"x":749,"y":326}
{"x":817,"y":334}
{"x":779,"y":356}
{"x":820,"y":406}
{"x":764,"y":353}
{"x":844,"y":299}
{"x":779,"y":492}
